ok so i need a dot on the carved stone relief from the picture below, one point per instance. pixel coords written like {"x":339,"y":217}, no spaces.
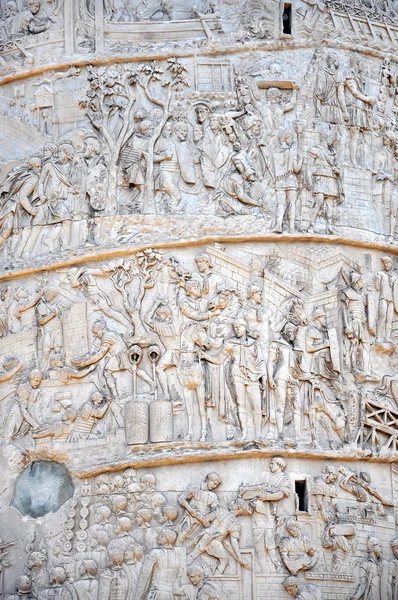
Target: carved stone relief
{"x":198,"y":299}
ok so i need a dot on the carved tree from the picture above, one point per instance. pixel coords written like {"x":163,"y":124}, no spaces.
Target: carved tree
{"x":104,"y":83}
{"x":111,"y":97}
{"x":174,"y":79}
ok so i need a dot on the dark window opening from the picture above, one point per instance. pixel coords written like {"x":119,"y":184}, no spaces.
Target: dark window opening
{"x":300,"y":487}
{"x":287,"y":19}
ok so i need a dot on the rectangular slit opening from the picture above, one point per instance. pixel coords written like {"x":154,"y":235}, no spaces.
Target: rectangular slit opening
{"x":287,"y":19}
{"x":300,"y":487}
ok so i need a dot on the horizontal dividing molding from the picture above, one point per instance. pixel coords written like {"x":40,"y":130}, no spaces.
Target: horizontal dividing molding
{"x":191,"y":242}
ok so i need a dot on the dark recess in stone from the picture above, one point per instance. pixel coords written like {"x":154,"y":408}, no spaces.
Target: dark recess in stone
{"x":41,"y":488}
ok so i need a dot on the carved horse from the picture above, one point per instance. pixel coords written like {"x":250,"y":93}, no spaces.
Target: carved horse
{"x":191,"y":376}
{"x":291,"y":311}
{"x":225,"y":305}
{"x":169,"y":276}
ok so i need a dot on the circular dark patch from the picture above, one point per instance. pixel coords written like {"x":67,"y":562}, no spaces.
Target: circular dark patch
{"x":41,"y":488}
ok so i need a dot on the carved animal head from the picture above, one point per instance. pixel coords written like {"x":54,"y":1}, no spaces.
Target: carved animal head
{"x":198,"y":335}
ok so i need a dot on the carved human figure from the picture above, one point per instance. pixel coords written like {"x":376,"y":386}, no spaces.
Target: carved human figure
{"x":88,"y":415}
{"x":10,"y":22}
{"x":85,"y":280}
{"x":55,"y":191}
{"x":392,"y":223}
{"x":23,"y":586}
{"x":383,"y":171}
{"x":111,"y":347}
{"x":393,"y":571}
{"x":34,"y":19}
{"x":86,"y":587}
{"x":286,"y":163}
{"x":21,"y":415}
{"x":258,"y":317}
{"x":19,"y":192}
{"x":145,"y":534}
{"x":199,"y":589}
{"x":220,"y":540}
{"x":199,"y":503}
{"x":210,"y":282}
{"x":202,"y":113}
{"x":247,"y":369}
{"x":193,"y":306}
{"x":359,"y":107}
{"x":373,"y":574}
{"x":325,"y":493}
{"x":133,"y":560}
{"x":102,"y":516}
{"x":161,"y":319}
{"x":274,"y":109}
{"x":322,"y":345}
{"x":386,"y":284}
{"x":23,"y":309}
{"x":168,"y":516}
{"x":48,"y":314}
{"x":59,"y":430}
{"x":190,"y":180}
{"x":284,"y":374}
{"x":215,"y":152}
{"x":96,"y":178}
{"x":330,"y":104}
{"x":359,"y":486}
{"x":5,"y":301}
{"x":339,"y":539}
{"x":165,"y":155}
{"x":60,"y":588}
{"x":301,"y":591}
{"x":267,"y":499}
{"x":161,"y":568}
{"x":99,"y":542}
{"x":114,"y":581}
{"x":148,"y":489}
{"x":257,"y":143}
{"x":133,"y":160}
{"x":297,"y":550}
{"x":323,"y":179}
{"x":356,"y":323}
{"x":235,"y":191}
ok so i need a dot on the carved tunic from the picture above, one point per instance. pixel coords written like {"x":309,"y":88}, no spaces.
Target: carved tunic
{"x":328,"y":106}
{"x":324,"y":179}
{"x":284,"y":163}
{"x":55,"y":185}
{"x":308,"y":592}
{"x":167,"y":564}
{"x":357,"y":108}
{"x":247,"y":362}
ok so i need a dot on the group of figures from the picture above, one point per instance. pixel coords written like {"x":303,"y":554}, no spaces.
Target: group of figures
{"x":220,"y":362}
{"x":35,"y":18}
{"x":128,"y":540}
{"x":157,"y":147}
{"x":123,"y":11}
{"x":179,"y":418}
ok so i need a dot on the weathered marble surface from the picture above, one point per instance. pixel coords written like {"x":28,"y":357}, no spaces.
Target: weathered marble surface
{"x":198,"y":299}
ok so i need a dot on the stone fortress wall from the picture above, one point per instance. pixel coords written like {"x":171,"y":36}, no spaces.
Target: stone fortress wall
{"x":198,"y":299}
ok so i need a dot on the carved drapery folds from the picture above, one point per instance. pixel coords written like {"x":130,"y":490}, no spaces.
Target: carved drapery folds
{"x":198,"y":300}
